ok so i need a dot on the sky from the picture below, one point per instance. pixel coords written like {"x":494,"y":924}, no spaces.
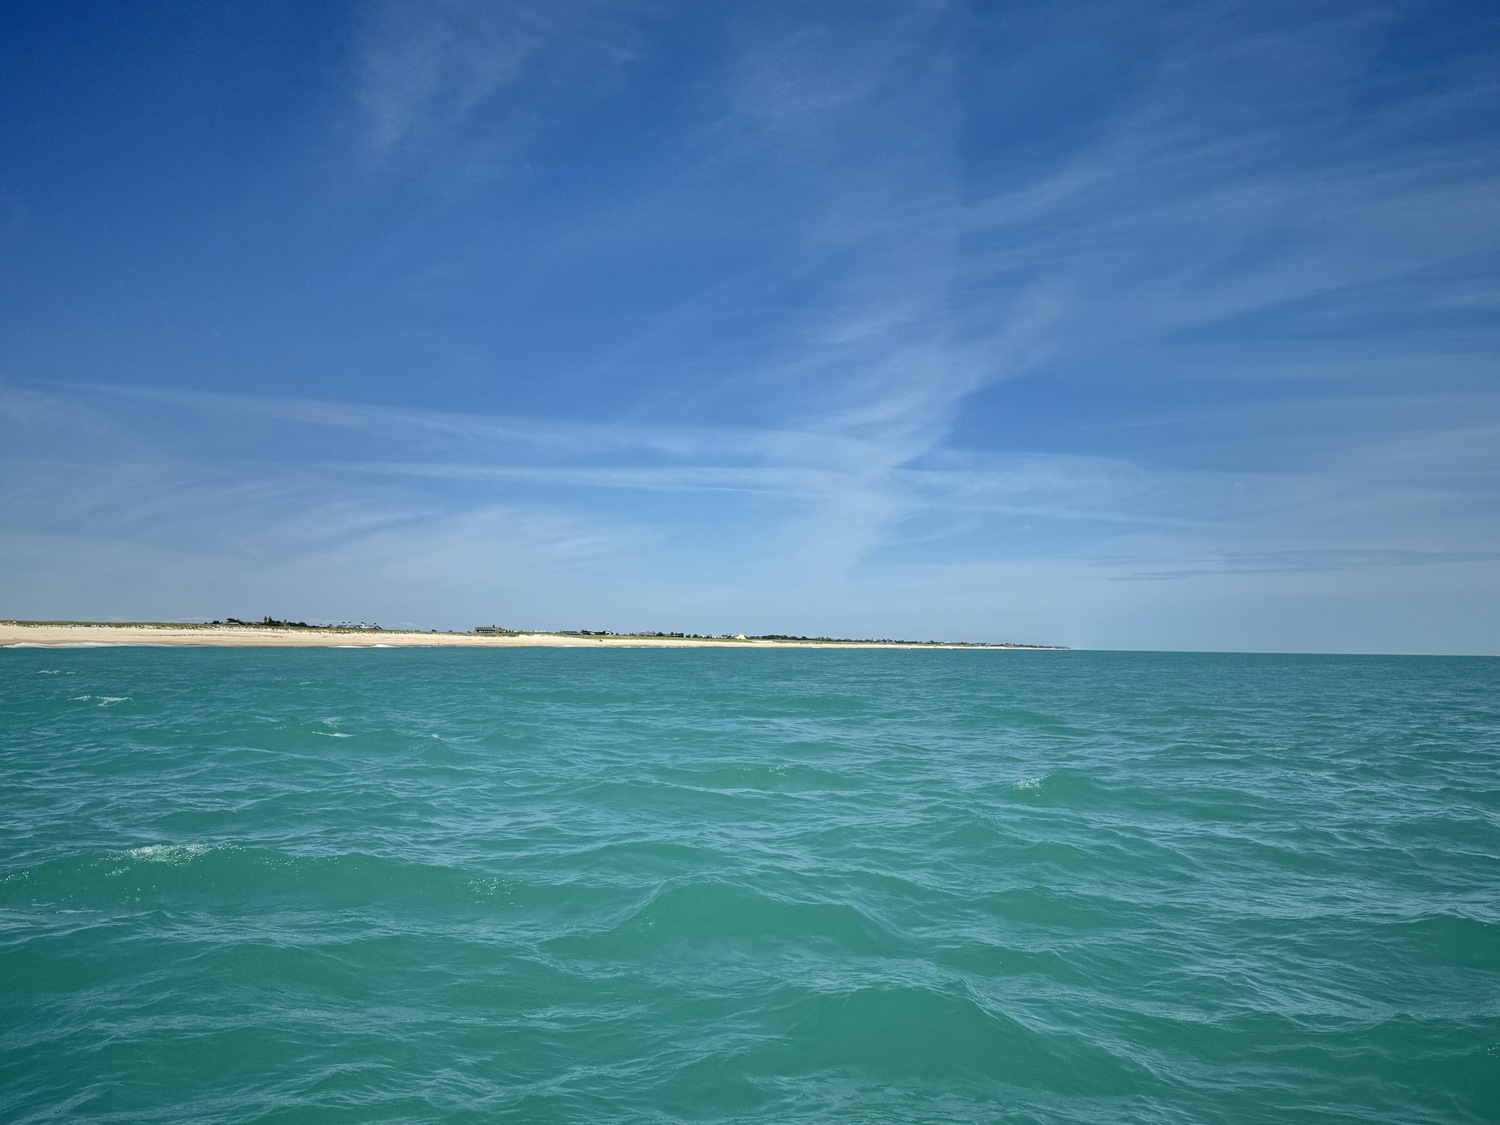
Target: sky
{"x":1154,"y":325}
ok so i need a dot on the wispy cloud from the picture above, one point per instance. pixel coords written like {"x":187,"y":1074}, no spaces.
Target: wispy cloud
{"x":425,"y":67}
{"x":1303,"y":562}
{"x":528,"y":527}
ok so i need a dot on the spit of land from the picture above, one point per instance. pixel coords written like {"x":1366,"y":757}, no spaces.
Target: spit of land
{"x":59,"y":633}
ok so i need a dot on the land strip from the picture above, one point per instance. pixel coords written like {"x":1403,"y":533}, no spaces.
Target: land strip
{"x":281,"y":635}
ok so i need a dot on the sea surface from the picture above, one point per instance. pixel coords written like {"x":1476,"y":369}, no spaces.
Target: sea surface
{"x":559,"y":885}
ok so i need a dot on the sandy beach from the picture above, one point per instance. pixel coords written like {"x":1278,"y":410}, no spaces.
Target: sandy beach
{"x":236,"y":636}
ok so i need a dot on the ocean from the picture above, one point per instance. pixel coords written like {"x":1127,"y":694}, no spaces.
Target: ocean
{"x":703,"y":885}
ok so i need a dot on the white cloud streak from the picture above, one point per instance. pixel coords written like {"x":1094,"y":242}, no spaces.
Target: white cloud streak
{"x":425,"y":67}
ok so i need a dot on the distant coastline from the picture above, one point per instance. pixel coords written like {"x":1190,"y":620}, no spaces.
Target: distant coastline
{"x":272,"y":633}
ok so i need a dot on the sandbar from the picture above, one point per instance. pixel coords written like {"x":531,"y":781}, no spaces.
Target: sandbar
{"x":259,"y":636}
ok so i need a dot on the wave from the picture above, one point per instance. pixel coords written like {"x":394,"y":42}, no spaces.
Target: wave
{"x":713,"y":914}
{"x":232,"y":881}
{"x":552,"y":888}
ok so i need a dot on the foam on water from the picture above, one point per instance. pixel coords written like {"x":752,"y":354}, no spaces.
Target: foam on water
{"x":167,"y":853}
{"x":748,"y":885}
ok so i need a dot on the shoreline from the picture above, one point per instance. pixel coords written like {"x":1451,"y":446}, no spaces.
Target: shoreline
{"x":91,"y":634}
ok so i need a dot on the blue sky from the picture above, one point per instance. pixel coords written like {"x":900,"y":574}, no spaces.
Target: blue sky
{"x":1152,"y":326}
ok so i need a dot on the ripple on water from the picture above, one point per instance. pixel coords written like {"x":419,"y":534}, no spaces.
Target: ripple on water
{"x":812,"y":886}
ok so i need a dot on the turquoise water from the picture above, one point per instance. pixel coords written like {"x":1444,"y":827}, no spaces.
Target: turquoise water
{"x":725,"y":885}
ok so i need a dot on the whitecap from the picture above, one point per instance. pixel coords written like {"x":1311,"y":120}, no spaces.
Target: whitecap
{"x":1030,"y":783}
{"x":167,"y":853}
